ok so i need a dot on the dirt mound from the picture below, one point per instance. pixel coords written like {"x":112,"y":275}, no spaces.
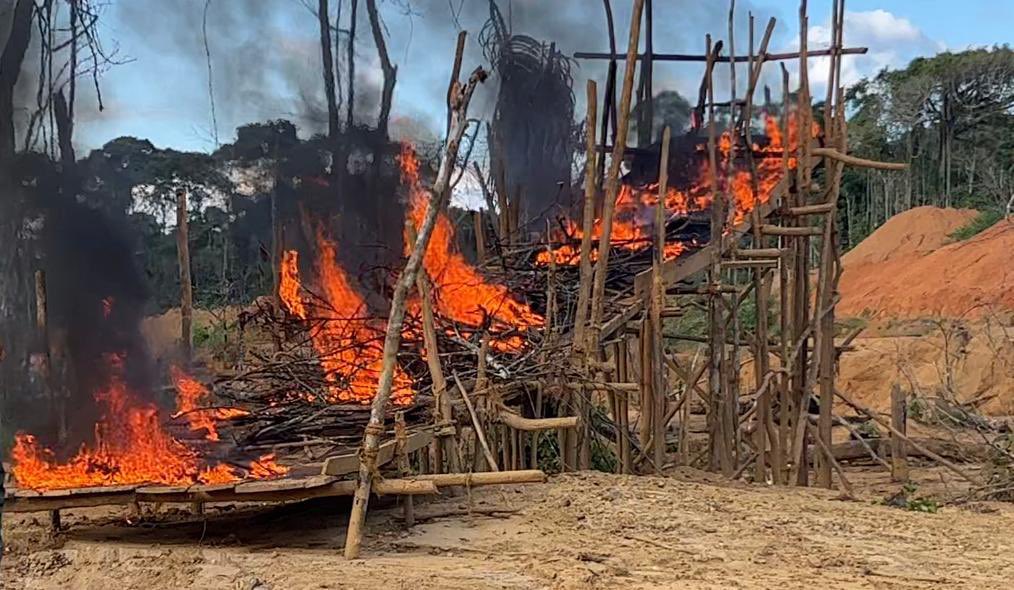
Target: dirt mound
{"x":916,"y":231}
{"x":971,"y":364}
{"x":909,"y":268}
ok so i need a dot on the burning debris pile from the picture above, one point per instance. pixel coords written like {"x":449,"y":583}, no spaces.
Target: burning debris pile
{"x":132,"y":445}
{"x":685,"y":201}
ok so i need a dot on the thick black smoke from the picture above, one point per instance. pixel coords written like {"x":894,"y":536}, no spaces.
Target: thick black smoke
{"x":96,"y":299}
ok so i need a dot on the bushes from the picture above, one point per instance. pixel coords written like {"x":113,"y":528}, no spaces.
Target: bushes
{"x":983,"y":221}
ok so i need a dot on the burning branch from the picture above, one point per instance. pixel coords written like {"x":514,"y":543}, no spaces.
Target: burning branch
{"x":392,"y":340}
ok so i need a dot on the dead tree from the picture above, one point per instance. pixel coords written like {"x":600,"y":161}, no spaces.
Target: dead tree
{"x":328,"y":63}
{"x":389,"y":69}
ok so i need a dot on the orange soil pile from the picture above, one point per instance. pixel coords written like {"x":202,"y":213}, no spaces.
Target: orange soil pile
{"x":909,"y":268}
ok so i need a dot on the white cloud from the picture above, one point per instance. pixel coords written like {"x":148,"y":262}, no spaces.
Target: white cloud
{"x":893,"y":41}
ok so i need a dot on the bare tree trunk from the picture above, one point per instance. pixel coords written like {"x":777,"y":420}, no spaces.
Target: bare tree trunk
{"x":10,"y":68}
{"x":390,"y":71}
{"x":328,"y":60}
{"x":350,"y":113}
{"x":186,"y":287}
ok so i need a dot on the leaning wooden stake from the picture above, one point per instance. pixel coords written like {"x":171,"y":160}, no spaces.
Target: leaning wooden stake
{"x":613,"y":179}
{"x":392,"y":338}
{"x":480,"y":434}
{"x":186,"y":286}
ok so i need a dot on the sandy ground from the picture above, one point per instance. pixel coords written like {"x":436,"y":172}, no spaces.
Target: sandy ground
{"x":587,"y":530}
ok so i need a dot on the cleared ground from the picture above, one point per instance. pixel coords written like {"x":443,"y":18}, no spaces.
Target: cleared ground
{"x":588,"y":530}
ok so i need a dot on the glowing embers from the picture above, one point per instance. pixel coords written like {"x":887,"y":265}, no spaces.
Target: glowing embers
{"x":348,"y":345}
{"x":130,"y":447}
{"x":634,"y":216}
{"x":460,"y":293}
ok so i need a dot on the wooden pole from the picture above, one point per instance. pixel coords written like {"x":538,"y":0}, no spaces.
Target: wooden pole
{"x":587,"y":221}
{"x":786,"y":329}
{"x":911,"y":443}
{"x":480,"y":237}
{"x":899,"y":424}
{"x":720,"y":453}
{"x":444,"y":447}
{"x":392,"y":338}
{"x":57,"y":401}
{"x":400,"y":434}
{"x":186,"y":284}
{"x":659,"y":412}
{"x":613,"y":178}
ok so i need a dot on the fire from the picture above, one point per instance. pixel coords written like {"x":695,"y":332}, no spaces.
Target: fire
{"x":349,"y":346}
{"x":460,"y":292}
{"x":266,"y":467}
{"x":633,"y":217}
{"x":189,"y":395}
{"x":130,"y":447}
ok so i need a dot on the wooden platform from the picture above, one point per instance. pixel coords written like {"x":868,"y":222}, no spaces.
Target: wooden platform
{"x":329,"y":482}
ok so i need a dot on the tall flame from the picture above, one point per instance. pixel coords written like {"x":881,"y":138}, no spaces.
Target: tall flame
{"x":460,"y":292}
{"x":633,"y":219}
{"x":130,"y":447}
{"x":348,"y":345}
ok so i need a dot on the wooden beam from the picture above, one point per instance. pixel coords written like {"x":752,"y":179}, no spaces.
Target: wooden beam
{"x":854,"y":161}
{"x":687,"y":57}
{"x":518,"y":422}
{"x":803,"y":231}
{"x":349,"y":462}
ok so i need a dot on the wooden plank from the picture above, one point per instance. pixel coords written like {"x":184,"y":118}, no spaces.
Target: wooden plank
{"x":281,"y":485}
{"x":349,"y":462}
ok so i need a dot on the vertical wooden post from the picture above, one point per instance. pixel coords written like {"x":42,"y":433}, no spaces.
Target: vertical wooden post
{"x":786,"y":321}
{"x":899,"y":422}
{"x":720,"y":452}
{"x":645,"y":349}
{"x":444,"y":447}
{"x":657,"y":303}
{"x":480,"y":237}
{"x":401,"y":438}
{"x":57,"y":401}
{"x":587,"y":221}
{"x":186,"y":284}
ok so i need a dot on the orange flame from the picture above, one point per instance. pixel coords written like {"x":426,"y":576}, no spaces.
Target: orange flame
{"x":266,"y":467}
{"x":130,"y":447}
{"x":460,"y":292}
{"x":189,"y":395}
{"x":348,"y":345}
{"x":633,"y":217}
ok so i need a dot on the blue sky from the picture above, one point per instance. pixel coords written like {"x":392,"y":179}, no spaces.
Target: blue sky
{"x":266,"y":61}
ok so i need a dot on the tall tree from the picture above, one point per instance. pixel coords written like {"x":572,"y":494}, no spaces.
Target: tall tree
{"x":328,"y":61}
{"x":389,"y":69}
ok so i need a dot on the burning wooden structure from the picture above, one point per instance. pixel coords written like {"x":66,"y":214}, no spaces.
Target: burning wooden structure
{"x":559,"y":343}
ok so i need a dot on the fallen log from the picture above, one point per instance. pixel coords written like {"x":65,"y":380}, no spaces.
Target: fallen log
{"x":854,"y":450}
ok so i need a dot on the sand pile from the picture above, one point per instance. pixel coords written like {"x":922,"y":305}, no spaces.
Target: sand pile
{"x":909,"y":268}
